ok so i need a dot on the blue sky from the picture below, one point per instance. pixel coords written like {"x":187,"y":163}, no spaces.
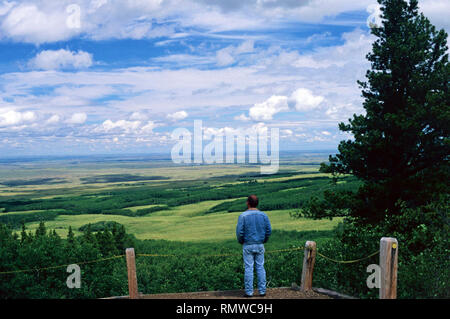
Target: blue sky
{"x":104,"y":76}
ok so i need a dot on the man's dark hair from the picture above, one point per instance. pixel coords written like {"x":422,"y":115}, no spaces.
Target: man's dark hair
{"x":252,"y":201}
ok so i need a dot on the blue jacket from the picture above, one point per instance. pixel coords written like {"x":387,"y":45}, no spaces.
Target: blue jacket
{"x":253,"y":227}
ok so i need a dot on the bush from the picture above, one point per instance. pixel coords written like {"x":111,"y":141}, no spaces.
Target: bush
{"x":423,"y":261}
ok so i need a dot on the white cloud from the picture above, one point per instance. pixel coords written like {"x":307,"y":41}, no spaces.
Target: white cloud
{"x":123,"y":125}
{"x":229,"y":54}
{"x":138,"y":116}
{"x":166,"y":89}
{"x":225,"y":57}
{"x":304,"y":100}
{"x":374,"y":18}
{"x":245,"y":47}
{"x":148,"y":128}
{"x":61,"y":59}
{"x":185,"y":60}
{"x":301,"y":99}
{"x":437,"y":12}
{"x":286,"y":133}
{"x":316,"y":138}
{"x":342,"y":111}
{"x":77,"y":118}
{"x":5,"y":7}
{"x":266,"y":110}
{"x":177,"y":116}
{"x":36,"y":24}
{"x":53,"y":119}
{"x":242,"y":118}
{"x":11,"y":117}
{"x":357,"y":44}
{"x":96,"y":4}
{"x":249,"y":131}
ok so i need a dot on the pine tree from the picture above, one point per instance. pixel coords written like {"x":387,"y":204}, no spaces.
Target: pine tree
{"x":41,"y":231}
{"x":23,"y":234}
{"x":120,"y":237}
{"x":88,"y":236}
{"x":70,"y":236}
{"x":401,"y":145}
{"x":106,"y":242}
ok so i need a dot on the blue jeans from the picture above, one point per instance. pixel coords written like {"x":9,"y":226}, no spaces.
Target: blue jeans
{"x":254,"y":255}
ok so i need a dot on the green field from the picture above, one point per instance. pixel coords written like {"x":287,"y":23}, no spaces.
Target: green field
{"x":186,"y":225}
{"x":158,"y":200}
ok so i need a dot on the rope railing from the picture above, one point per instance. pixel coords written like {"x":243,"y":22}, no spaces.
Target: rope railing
{"x":348,"y":261}
{"x":61,"y":266}
{"x":174,"y":255}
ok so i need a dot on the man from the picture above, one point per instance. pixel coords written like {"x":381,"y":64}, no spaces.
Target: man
{"x":252,"y":231}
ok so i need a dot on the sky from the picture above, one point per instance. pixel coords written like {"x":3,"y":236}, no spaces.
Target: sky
{"x":110,"y":76}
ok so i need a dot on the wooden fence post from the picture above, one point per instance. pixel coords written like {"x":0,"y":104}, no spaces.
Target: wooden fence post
{"x":308,"y":265}
{"x":132,"y":278}
{"x":388,"y":265}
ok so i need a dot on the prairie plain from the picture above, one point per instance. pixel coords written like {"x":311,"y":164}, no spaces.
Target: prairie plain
{"x":155,"y":199}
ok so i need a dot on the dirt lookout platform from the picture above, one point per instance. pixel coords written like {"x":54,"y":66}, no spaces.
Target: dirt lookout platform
{"x":271,"y":293}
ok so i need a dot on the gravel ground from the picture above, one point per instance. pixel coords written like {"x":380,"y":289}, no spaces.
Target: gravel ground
{"x":272,"y":293}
